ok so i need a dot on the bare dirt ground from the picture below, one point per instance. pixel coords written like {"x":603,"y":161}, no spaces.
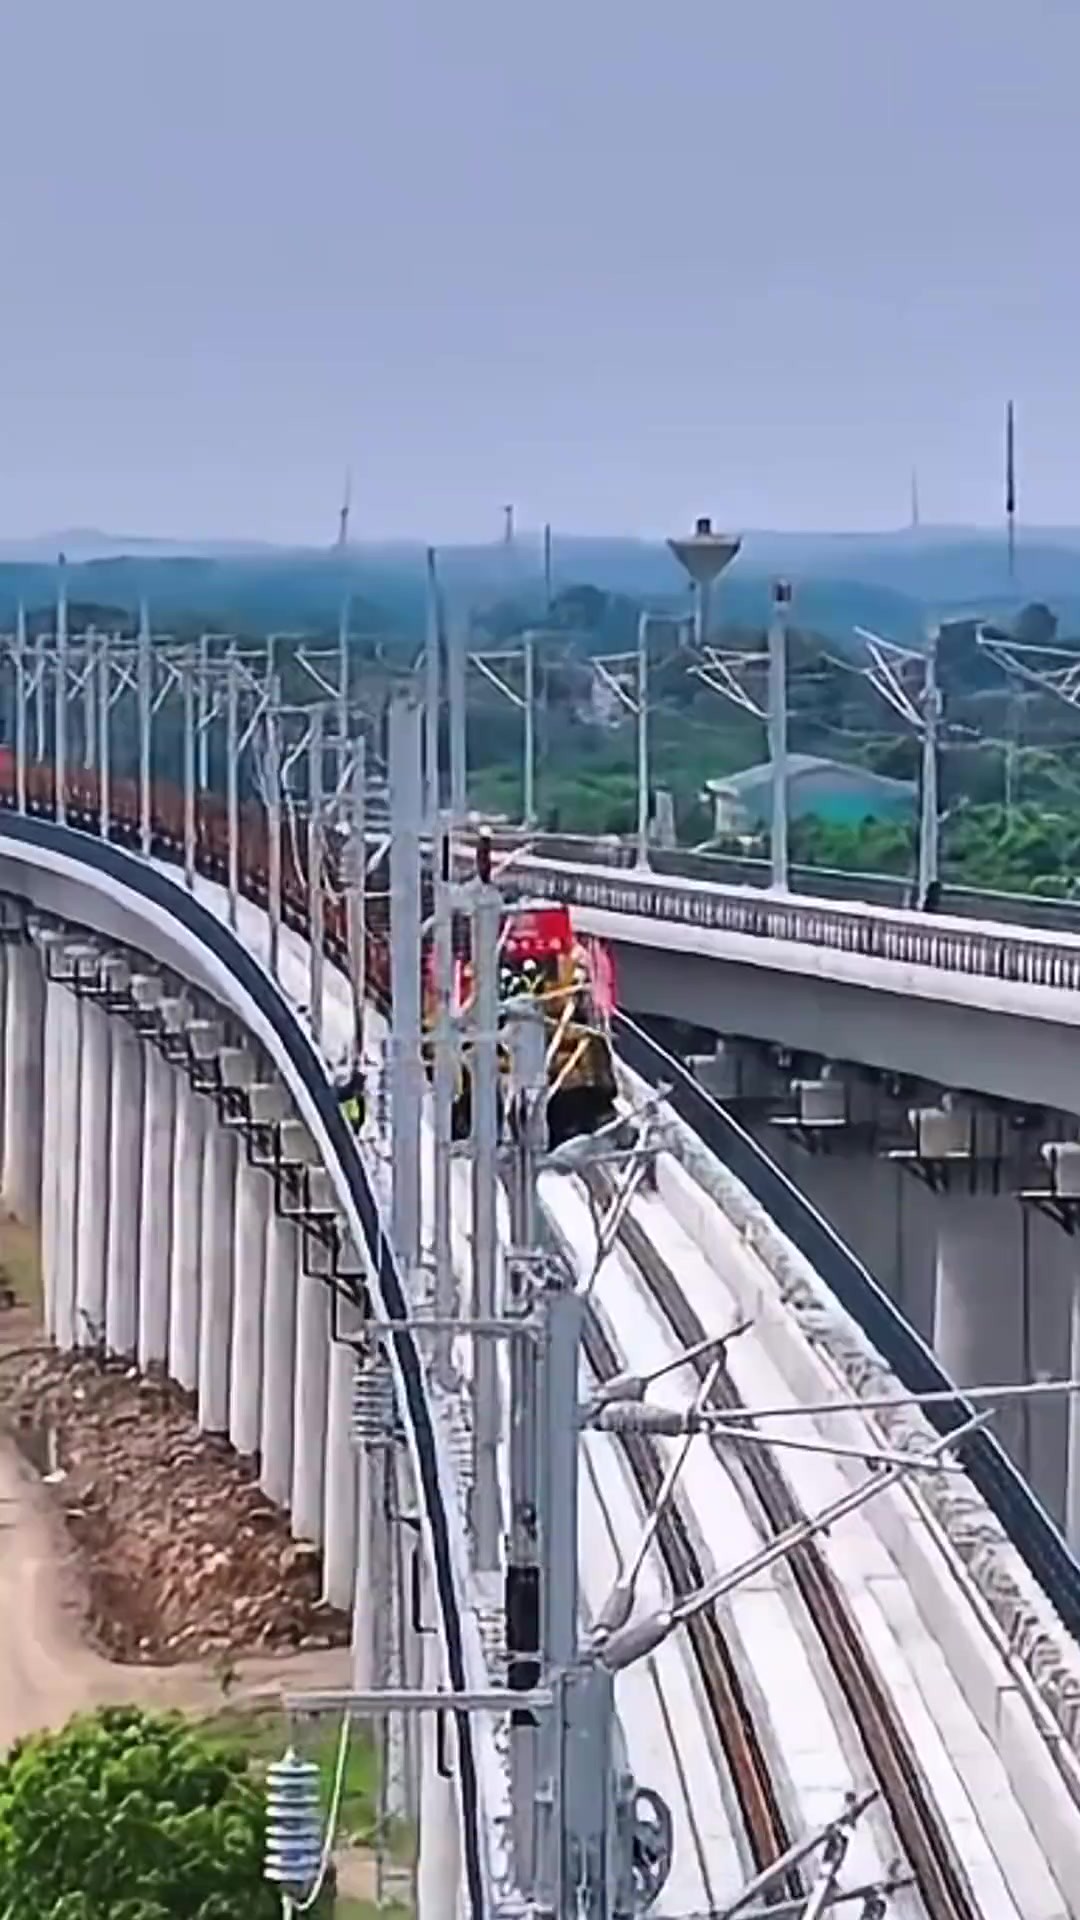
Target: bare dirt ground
{"x":151,"y":1570}
{"x":181,"y":1553}
{"x":150,"y":1539}
{"x":49,"y":1671}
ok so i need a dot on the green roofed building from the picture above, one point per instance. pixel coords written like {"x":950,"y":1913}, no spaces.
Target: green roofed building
{"x":831,"y":790}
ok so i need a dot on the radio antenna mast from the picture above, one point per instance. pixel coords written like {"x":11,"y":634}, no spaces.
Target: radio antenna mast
{"x":343,"y":516}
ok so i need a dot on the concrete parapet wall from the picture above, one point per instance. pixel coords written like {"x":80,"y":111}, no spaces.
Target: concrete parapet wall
{"x":1011,"y":1656}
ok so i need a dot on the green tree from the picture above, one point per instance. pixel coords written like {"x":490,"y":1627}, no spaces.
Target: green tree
{"x":126,"y":1815}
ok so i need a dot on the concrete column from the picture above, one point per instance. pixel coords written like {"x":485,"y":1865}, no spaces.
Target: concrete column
{"x":67,"y":1170}
{"x":6,"y":949}
{"x":372,"y":1599}
{"x":339,"y":1524}
{"x":1072,"y":1468}
{"x":50,"y":1186}
{"x":126,"y":1100}
{"x":916,"y":1271}
{"x":215,"y":1317}
{"x":192,"y":1110}
{"x":979,"y":1309}
{"x":95,"y":1115}
{"x":310,"y":1406}
{"x":1051,"y":1271}
{"x":279,"y":1360}
{"x":249,"y":1284}
{"x":438,"y":1865}
{"x":24,"y":1081}
{"x":155,"y":1224}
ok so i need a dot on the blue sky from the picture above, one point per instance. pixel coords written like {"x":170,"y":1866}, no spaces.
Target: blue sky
{"x":615,"y":261}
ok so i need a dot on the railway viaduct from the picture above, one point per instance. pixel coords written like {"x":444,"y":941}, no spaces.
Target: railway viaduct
{"x":169,"y":1123}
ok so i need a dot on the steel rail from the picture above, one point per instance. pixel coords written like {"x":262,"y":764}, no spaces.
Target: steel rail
{"x":733,"y":1720}
{"x":936,"y":1868}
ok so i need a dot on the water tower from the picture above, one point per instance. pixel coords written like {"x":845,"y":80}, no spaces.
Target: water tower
{"x":704,"y":555}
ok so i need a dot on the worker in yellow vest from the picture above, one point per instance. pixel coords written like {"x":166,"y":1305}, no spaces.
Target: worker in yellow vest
{"x":350,"y":1093}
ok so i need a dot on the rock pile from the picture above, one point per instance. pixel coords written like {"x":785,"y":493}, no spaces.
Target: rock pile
{"x":182,"y":1555}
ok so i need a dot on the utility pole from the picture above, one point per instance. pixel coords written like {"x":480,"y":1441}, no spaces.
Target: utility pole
{"x":778,"y":641}
{"x":273,"y":820}
{"x":187,"y":682}
{"x":406,"y":806}
{"x":343,"y":683}
{"x":928,"y":812}
{"x":488,"y":664}
{"x":19,"y":662}
{"x":457,"y":648}
{"x":432,"y":696}
{"x":524,"y":1602}
{"x":316,"y":859}
{"x":356,"y":896}
{"x":607,"y":666}
{"x":144,"y":694}
{"x":721,"y":671}
{"x":445,"y":1087}
{"x":923,"y":712}
{"x":89,"y":694}
{"x":232,"y":779}
{"x":484,"y":1099}
{"x":643,"y":782}
{"x":40,"y":649}
{"x":103,"y":694}
{"x":529,"y":770}
{"x":60,"y":691}
{"x":203,"y":713}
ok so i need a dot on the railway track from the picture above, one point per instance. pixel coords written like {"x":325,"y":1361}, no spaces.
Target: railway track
{"x":733,"y":1721}
{"x":930,"y":1856}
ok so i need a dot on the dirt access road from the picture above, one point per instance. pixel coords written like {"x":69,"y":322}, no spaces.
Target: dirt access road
{"x":48,"y":1672}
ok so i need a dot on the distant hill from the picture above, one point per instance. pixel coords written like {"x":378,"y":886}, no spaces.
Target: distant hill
{"x":891,"y":582}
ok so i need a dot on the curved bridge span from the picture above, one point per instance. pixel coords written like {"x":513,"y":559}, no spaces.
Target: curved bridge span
{"x":62,"y":885}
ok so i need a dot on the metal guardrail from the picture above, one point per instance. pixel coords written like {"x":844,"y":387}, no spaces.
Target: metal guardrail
{"x":819,"y":883}
{"x":872,"y":933}
{"x":1000,"y":1483}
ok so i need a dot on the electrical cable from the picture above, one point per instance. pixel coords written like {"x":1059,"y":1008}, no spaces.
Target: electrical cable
{"x":333,"y":1814}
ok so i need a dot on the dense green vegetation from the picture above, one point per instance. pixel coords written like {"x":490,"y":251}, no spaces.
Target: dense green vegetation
{"x":1010,"y":816}
{"x":1027,"y":851}
{"x":131,"y":1815}
{"x":1011,"y":819}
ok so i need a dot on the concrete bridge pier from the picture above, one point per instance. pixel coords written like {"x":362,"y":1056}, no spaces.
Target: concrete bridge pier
{"x":189,"y":1148}
{"x":126,"y":1102}
{"x":1050,"y":1276}
{"x":881,"y":1211}
{"x":50,"y":1154}
{"x":982,"y":1315}
{"x":250,"y":1224}
{"x":310,"y":1406}
{"x":24,"y":1015}
{"x":216,"y":1305}
{"x":155,"y":1221}
{"x":68,"y":1012}
{"x":339,"y":1516}
{"x":279,"y":1360}
{"x":93,"y":1097}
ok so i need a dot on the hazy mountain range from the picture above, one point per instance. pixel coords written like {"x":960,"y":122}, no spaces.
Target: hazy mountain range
{"x":893,"y":582}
